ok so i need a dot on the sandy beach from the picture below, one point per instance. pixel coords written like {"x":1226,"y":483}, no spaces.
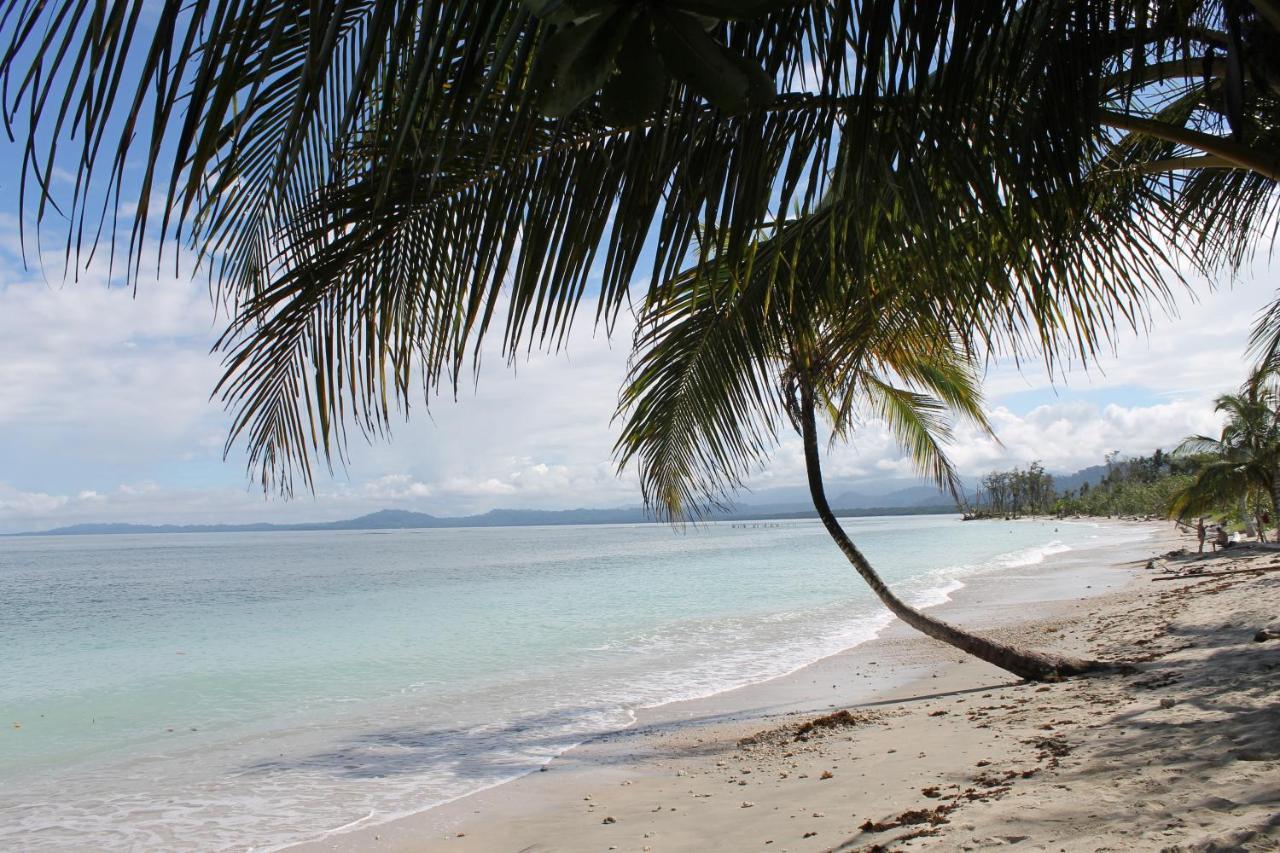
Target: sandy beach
{"x":1180,"y":753}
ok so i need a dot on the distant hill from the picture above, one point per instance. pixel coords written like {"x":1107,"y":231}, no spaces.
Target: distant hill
{"x":782,"y":503}
{"x":399,"y":519}
{"x":917,"y":496}
{"x":1071,"y":482}
{"x":386,"y":519}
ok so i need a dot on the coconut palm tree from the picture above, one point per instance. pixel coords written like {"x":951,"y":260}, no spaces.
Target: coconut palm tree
{"x":722,"y":360}
{"x":1244,"y":459}
{"x":721,"y":355}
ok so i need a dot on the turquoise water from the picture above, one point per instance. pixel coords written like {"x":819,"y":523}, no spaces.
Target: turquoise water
{"x":244,"y":691}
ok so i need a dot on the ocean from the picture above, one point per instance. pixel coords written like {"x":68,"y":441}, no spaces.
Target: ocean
{"x":247,"y":691}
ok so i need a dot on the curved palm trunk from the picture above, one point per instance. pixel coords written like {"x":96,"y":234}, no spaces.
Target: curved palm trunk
{"x":1249,"y":527}
{"x":1275,"y":504}
{"x":1032,"y":665}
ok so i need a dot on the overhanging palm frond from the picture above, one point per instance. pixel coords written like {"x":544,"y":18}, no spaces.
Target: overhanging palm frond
{"x":341,"y":165}
{"x":700,"y":399}
{"x":919,"y":424}
{"x":1193,"y":87}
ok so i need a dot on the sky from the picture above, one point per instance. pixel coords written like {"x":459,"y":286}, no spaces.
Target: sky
{"x":105,"y":413}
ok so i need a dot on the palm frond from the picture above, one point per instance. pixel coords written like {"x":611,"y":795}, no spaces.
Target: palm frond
{"x":938,"y":366}
{"x":700,"y":402}
{"x":919,"y":425}
{"x":1264,"y":338}
{"x":1196,"y":445}
{"x":1217,"y":484}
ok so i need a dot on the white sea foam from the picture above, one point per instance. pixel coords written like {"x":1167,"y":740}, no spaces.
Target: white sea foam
{"x":945,"y":582}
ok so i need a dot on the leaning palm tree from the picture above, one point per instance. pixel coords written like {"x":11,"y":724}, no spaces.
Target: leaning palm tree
{"x":1242,"y":460}
{"x":720,"y":362}
{"x":797,"y":329}
{"x":910,"y":415}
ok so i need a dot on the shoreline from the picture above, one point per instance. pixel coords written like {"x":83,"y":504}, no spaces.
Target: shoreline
{"x":893,"y":664}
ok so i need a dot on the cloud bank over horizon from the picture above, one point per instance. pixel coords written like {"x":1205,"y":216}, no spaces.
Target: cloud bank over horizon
{"x":105,"y":415}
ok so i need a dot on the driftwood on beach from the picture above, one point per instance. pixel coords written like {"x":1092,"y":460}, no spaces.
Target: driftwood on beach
{"x":1197,"y":575}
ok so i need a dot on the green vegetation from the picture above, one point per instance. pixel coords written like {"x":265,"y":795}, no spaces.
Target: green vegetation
{"x":1240,"y":468}
{"x":1014,"y":493}
{"x":1234,"y":478}
{"x":1143,"y":485}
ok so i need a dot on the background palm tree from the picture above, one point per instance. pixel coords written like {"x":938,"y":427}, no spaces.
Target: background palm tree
{"x":1243,"y":460}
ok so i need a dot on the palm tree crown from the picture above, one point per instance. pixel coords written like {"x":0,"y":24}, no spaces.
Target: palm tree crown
{"x":1243,"y":459}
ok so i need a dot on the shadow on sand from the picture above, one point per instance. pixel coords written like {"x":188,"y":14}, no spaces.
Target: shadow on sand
{"x":1201,"y":731}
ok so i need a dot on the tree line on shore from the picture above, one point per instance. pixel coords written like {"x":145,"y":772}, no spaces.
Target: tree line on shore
{"x":1136,"y":485}
{"x":1232,"y":478}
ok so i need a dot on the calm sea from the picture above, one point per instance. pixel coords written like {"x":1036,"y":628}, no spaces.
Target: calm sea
{"x":242,"y":691}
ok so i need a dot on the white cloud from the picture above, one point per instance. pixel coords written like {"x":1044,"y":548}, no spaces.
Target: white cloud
{"x":91,"y":374}
{"x":1071,"y":435}
{"x":1065,"y":436}
{"x":27,"y":504}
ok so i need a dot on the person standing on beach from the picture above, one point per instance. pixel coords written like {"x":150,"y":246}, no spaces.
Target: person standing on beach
{"x":1200,"y":533}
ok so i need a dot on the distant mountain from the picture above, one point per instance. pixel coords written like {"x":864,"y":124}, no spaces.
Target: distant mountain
{"x":914,"y":496}
{"x":386,"y":519}
{"x":103,"y":529}
{"x":851,"y":494}
{"x":1070,"y":482}
{"x":788,"y":502}
{"x":399,"y":519}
